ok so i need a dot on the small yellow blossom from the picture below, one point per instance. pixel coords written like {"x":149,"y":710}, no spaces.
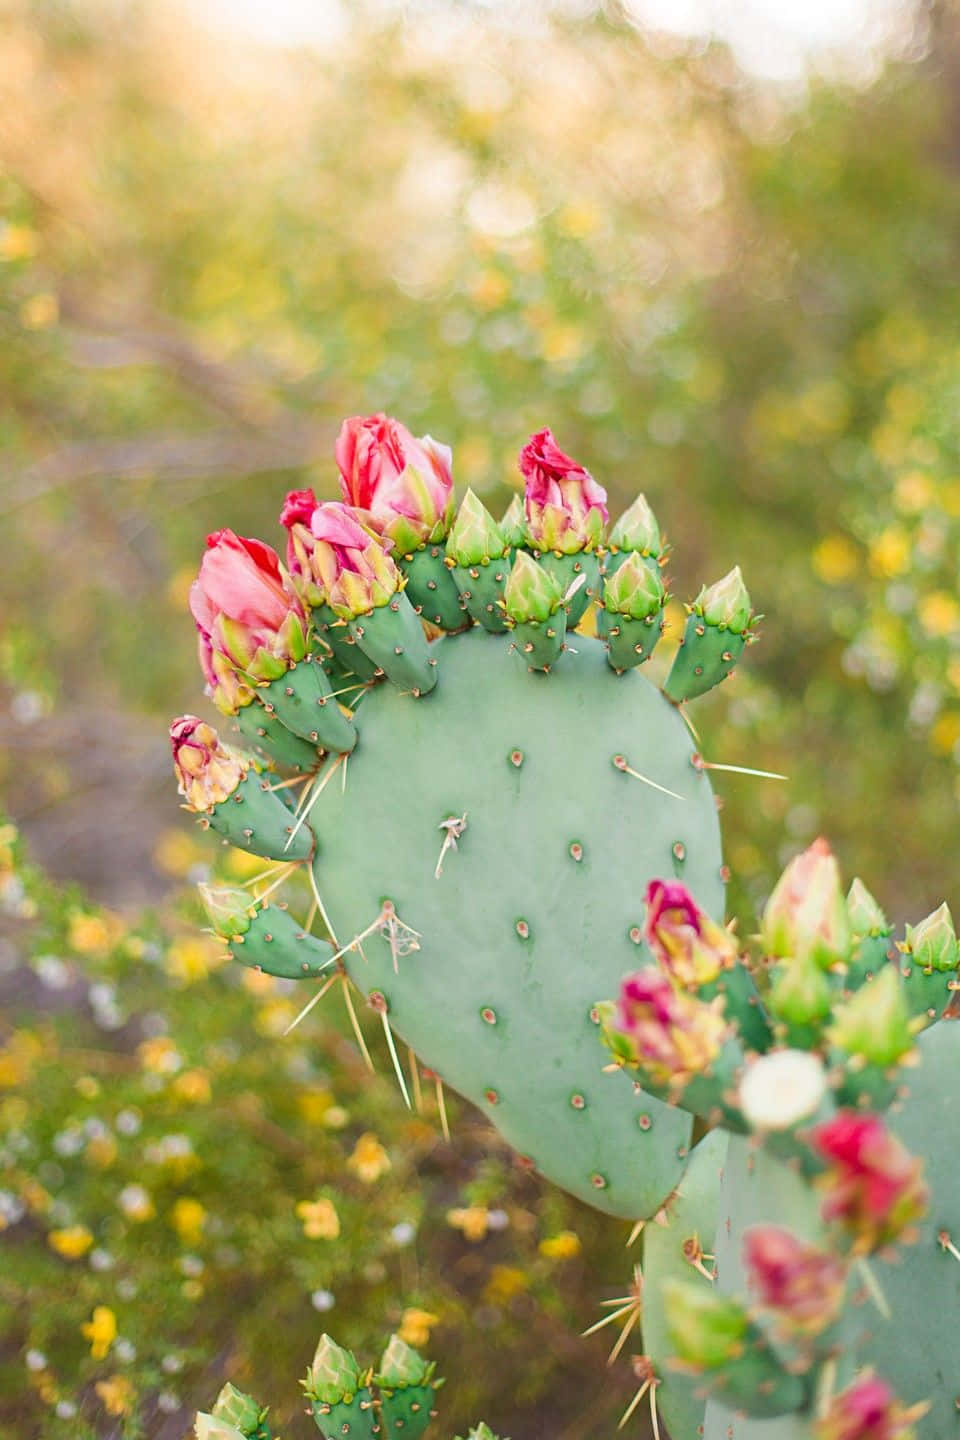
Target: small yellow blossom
{"x":188,"y":1217}
{"x":473,"y":1221}
{"x":275,"y":1016}
{"x":504,"y":1283}
{"x":101,"y":1151}
{"x":88,"y":934}
{"x":17,"y":242}
{"x":35,"y":1197}
{"x":100,"y":1330}
{"x":238,"y":864}
{"x":945,"y":734}
{"x":913,"y":492}
{"x":87,"y":1086}
{"x":192,"y":1290}
{"x":192,"y":957}
{"x":193,"y":1086}
{"x":835,"y":559}
{"x":314,"y":1104}
{"x":415,"y":1327}
{"x":40,"y":311}
{"x":369,"y":1159}
{"x":176,"y":852}
{"x":159,"y":1055}
{"x":939,"y":613}
{"x":320,"y":1219}
{"x":890,"y":553}
{"x":117,"y":1394}
{"x":72,"y":1243}
{"x":562,"y":1246}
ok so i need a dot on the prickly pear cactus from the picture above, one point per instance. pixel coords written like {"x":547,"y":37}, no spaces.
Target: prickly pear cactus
{"x":804,"y":1280}
{"x":480,"y":813}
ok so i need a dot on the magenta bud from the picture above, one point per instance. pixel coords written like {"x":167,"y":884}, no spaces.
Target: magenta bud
{"x":686,"y":943}
{"x":566,"y":510}
{"x":804,"y":1285}
{"x":405,"y":485}
{"x":873,"y":1186}
{"x":806,"y":916}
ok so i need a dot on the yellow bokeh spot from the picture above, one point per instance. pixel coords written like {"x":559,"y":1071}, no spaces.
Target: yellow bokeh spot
{"x":40,"y":312}
{"x":562,"y":1246}
{"x":950,"y":497}
{"x":101,"y":1151}
{"x":953,"y":673}
{"x":504,"y":1283}
{"x":489,"y":288}
{"x":415,"y":1327}
{"x":369,"y":1160}
{"x":159,"y":1055}
{"x":275,"y":1016}
{"x":562,"y":344}
{"x":116,"y":1394}
{"x":17,"y":1058}
{"x":913,"y":491}
{"x":473,"y":458}
{"x":177,"y":852}
{"x":890,"y":553}
{"x":945,"y":732}
{"x":314,"y":1104}
{"x":319,"y":1218}
{"x":100,"y":1330}
{"x":88,"y":1086}
{"x":835,"y":559}
{"x":90,"y":934}
{"x":192,"y":957}
{"x":193,"y":1086}
{"x":472,"y":1221}
{"x":72,"y":1243}
{"x":17,"y":242}
{"x":939,"y":613}
{"x":241,"y":866}
{"x":188,"y":1217}
{"x":825,"y":406}
{"x":178,"y":586}
{"x":579,"y":221}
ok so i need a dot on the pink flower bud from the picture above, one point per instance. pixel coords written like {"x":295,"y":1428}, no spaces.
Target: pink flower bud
{"x":672,"y":1036}
{"x":873,"y":1185}
{"x":207,"y":771}
{"x":405,"y":484}
{"x":806,"y":916}
{"x":803,"y":1284}
{"x":566,"y":509}
{"x":250,"y":626}
{"x":686,"y":943}
{"x":868,"y":1410}
{"x":353,"y":568}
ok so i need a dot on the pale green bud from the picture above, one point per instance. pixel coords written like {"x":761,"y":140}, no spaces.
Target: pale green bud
{"x":635,"y":589}
{"x":402,"y":1365}
{"x":726,"y":603}
{"x":513,"y":526}
{"x":211,"y":1427}
{"x":334,"y":1375}
{"x":475,"y":537}
{"x":865,"y":915}
{"x":705,"y":1329}
{"x":637,"y":529}
{"x":933,"y":942}
{"x":801,"y":993}
{"x":807,"y":915}
{"x":228,"y":910}
{"x":531,"y":593}
{"x":874,"y":1023}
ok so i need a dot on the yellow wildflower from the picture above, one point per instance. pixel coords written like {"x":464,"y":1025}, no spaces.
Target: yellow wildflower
{"x":176,"y":852}
{"x":100,"y":1330}
{"x":87,"y":1086}
{"x":72,"y":1242}
{"x":88,"y":934}
{"x":415,"y":1327}
{"x":369,"y":1159}
{"x":117,"y":1394}
{"x":101,"y":1151}
{"x":504,"y":1283}
{"x":939,"y":613}
{"x":188,"y":1218}
{"x":320,"y":1219}
{"x":890,"y":553}
{"x":17,"y":242}
{"x":192,"y":957}
{"x":473,"y":1221}
{"x":835,"y":559}
{"x":562,"y":1246}
{"x":193,"y":1086}
{"x":159,"y":1055}
{"x":314,"y":1104}
{"x":945,"y":734}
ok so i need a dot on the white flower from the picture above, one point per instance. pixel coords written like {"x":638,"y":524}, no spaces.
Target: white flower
{"x":779,"y":1090}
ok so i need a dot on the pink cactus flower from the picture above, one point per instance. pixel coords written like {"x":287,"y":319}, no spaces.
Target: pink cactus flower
{"x":405,"y":484}
{"x":806,"y":915}
{"x":250,"y":625}
{"x":672,"y":1035}
{"x":873,"y":1185}
{"x":802,"y":1284}
{"x":868,"y":1410}
{"x":565,"y":507}
{"x":207,"y":771}
{"x":686,"y":943}
{"x":349,"y":560}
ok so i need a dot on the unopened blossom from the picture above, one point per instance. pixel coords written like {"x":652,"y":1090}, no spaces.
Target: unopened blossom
{"x":207,"y":771}
{"x":686,"y":943}
{"x":672,"y":1036}
{"x":806,"y":916}
{"x":404,"y":484}
{"x":803,"y":1284}
{"x":566,"y":510}
{"x":873,"y":1186}
{"x":868,"y":1410}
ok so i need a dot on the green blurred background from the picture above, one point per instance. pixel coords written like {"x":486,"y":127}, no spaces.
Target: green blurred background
{"x":736,"y":291}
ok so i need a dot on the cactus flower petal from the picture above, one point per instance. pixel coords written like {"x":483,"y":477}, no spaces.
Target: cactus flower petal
{"x":687,"y":944}
{"x":868,"y":1410}
{"x":672,"y":1036}
{"x":566,"y":509}
{"x":405,"y":484}
{"x":208,"y":771}
{"x":873,"y":1186}
{"x":804,"y":1285}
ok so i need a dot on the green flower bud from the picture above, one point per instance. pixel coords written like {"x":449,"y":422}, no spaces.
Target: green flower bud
{"x":334,"y":1375}
{"x":801,"y":993}
{"x":635,"y":589}
{"x":476,"y":537}
{"x":865,"y":915}
{"x":513,"y":526}
{"x":211,"y":1427}
{"x":637,"y":529}
{"x":932,"y":943}
{"x":874,"y":1024}
{"x":807,"y":915}
{"x":228,"y":910}
{"x":530,"y":593}
{"x":726,"y":603}
{"x":402,"y":1365}
{"x":705,"y":1329}
{"x":238,"y":1409}
{"x":480,"y":1432}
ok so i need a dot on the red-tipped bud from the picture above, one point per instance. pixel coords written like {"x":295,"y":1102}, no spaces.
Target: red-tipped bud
{"x":868,"y":1410}
{"x":566,"y":509}
{"x":802,"y":1284}
{"x":873,"y":1185}
{"x":250,"y":626}
{"x":207,"y":771}
{"x":348,"y":559}
{"x":686,"y":943}
{"x":405,"y":484}
{"x":806,"y":915}
{"x":669,"y":1035}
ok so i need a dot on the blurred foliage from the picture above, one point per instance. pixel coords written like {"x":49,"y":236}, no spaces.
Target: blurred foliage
{"x":742,"y":301}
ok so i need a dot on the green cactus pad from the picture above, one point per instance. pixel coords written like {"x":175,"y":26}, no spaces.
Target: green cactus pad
{"x":271,"y":739}
{"x":344,"y":649}
{"x":629,"y":642}
{"x":431,"y":589}
{"x":353,"y":1419}
{"x":303,"y":701}
{"x":254,"y":818}
{"x":276,"y":944}
{"x":538,"y":913}
{"x":540,"y":643}
{"x":481,"y":589}
{"x":707,"y":655}
{"x":406,"y":1414}
{"x":392,"y":637}
{"x":565,"y":569}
